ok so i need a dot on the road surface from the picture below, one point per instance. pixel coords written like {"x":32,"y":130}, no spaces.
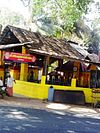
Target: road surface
{"x":29,"y":120}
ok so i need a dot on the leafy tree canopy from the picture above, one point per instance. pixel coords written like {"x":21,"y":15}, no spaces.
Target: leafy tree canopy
{"x":94,"y":40}
{"x":61,"y":15}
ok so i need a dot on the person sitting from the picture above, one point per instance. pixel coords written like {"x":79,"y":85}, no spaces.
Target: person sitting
{"x":2,"y":88}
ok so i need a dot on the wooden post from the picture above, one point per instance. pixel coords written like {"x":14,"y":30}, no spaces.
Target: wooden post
{"x":60,"y":62}
{"x":45,"y":69}
{"x":45,"y":65}
{"x":76,"y":70}
{"x":1,"y":57}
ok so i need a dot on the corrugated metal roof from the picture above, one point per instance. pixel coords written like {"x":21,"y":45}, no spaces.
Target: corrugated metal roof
{"x":80,"y":49}
{"x":37,"y":43}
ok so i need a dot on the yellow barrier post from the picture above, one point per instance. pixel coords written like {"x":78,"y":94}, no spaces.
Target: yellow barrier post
{"x":73,"y":82}
{"x":24,"y":68}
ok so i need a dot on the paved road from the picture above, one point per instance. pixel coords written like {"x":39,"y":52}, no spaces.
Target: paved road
{"x":28,"y":120}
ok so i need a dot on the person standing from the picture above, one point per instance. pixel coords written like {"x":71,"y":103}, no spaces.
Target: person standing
{"x":9,"y":88}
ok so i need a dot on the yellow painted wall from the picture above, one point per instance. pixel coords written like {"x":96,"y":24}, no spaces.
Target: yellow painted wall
{"x":40,"y":91}
{"x":29,"y":89}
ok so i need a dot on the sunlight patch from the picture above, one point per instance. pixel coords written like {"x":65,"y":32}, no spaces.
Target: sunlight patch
{"x":92,"y":123}
{"x":73,"y":122}
{"x":16,"y":116}
{"x":57,"y":106}
{"x":70,"y":131}
{"x":20,"y":128}
{"x":29,"y":125}
{"x":18,"y":113}
{"x":83,"y":110}
{"x":6,"y":128}
{"x":89,"y":115}
{"x":58,"y":112}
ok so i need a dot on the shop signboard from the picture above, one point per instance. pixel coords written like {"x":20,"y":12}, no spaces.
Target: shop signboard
{"x":19,"y":57}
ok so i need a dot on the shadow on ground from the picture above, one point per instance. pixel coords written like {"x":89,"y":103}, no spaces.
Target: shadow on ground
{"x":24,"y":120}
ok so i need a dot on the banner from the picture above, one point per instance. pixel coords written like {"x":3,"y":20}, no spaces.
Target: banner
{"x":19,"y":57}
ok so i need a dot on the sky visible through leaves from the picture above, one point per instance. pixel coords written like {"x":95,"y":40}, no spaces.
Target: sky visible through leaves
{"x":17,"y":6}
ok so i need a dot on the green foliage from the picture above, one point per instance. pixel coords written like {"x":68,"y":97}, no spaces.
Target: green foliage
{"x":82,"y":5}
{"x":62,"y":13}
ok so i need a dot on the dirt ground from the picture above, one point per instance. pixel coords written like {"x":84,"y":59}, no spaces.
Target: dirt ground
{"x":40,"y":104}
{"x":22,"y":101}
